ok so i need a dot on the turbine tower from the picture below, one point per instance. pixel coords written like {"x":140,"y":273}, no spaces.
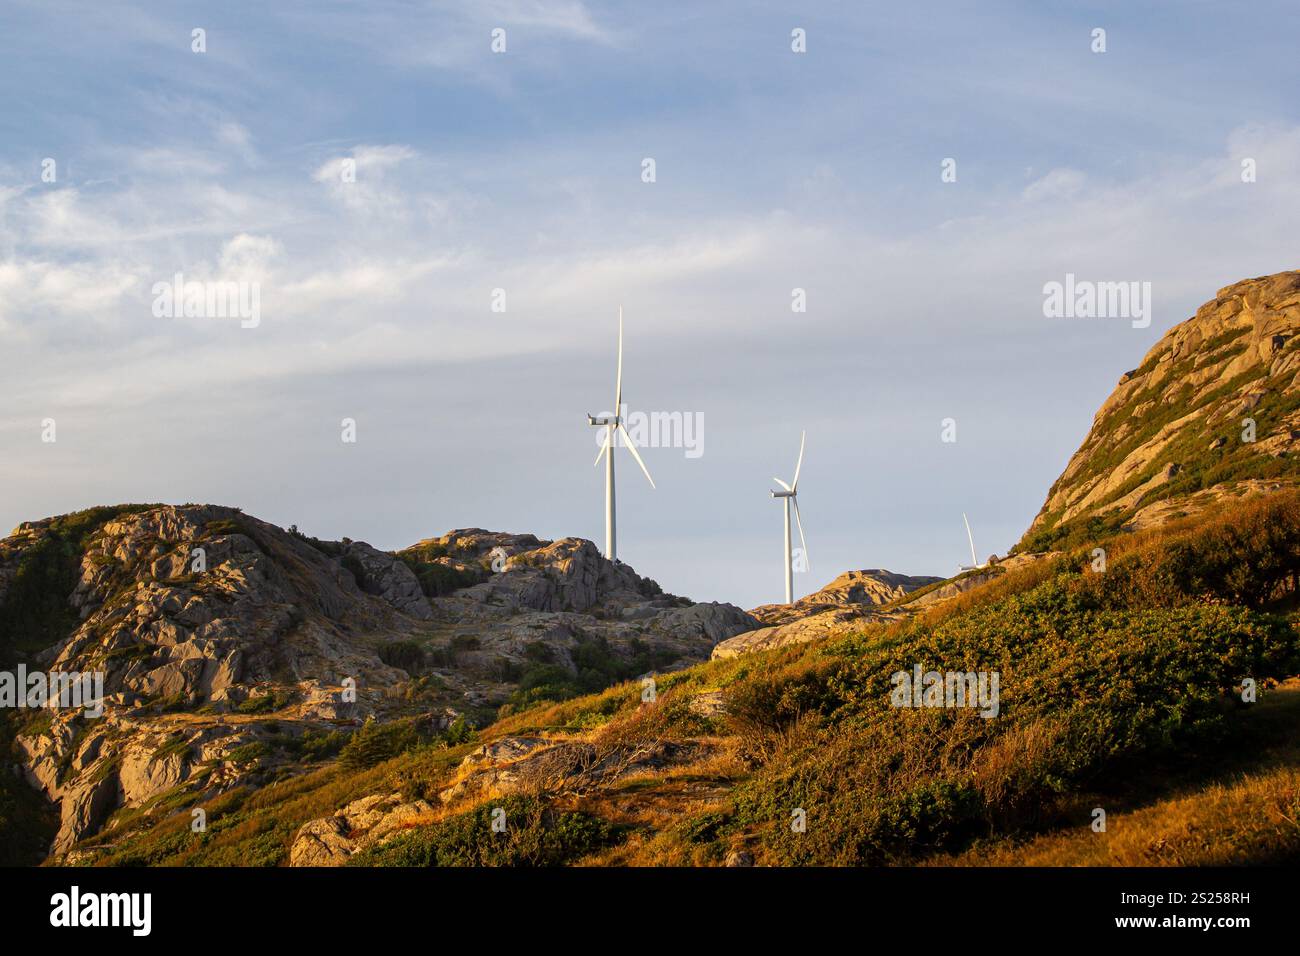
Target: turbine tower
{"x":791,"y":496}
{"x":613,"y":425}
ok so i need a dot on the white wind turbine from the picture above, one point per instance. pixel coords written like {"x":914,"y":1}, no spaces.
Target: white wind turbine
{"x":791,"y":496}
{"x":612,"y":426}
{"x":974,"y":561}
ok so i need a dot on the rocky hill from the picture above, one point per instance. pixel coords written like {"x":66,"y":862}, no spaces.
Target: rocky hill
{"x":235,"y":653}
{"x":1212,"y":412}
{"x":850,"y":599}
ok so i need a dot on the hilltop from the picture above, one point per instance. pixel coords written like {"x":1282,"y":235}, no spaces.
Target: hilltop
{"x":1212,"y":412}
{"x":236,"y":653}
{"x":849,"y":600}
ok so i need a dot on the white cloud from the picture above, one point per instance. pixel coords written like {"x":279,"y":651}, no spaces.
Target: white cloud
{"x":51,"y":290}
{"x":566,"y":17}
{"x":236,"y":137}
{"x":366,"y":160}
{"x":248,"y":257}
{"x":359,"y":286}
{"x":1057,"y":184}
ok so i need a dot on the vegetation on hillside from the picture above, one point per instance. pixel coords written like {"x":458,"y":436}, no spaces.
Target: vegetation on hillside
{"x":35,"y":612}
{"x":529,"y":832}
{"x":1105,"y":679}
{"x":1205,"y":455}
{"x":439,"y":578}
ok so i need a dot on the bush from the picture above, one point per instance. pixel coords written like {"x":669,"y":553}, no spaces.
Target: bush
{"x":596,"y":666}
{"x":376,"y":742}
{"x":438,"y":579}
{"x":535,"y":834}
{"x":266,"y":703}
{"x":406,"y":655}
{"x":465,"y":642}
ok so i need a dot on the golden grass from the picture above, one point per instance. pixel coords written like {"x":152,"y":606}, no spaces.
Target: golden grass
{"x":1253,"y":820}
{"x":1239,"y":817}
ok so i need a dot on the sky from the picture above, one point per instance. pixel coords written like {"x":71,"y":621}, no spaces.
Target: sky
{"x":441,"y":235}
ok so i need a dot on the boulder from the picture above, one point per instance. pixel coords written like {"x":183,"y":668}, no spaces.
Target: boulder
{"x":388,"y":577}
{"x":363,"y":823}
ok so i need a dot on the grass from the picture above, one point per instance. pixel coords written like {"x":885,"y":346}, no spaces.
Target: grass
{"x":1118,"y":689}
{"x":256,"y":828}
{"x":1247,"y":809}
{"x":1103,"y":673}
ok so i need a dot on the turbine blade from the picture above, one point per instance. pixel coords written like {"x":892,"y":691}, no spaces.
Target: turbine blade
{"x":971,"y":538}
{"x":799,"y":521}
{"x":618,"y":379}
{"x":795,"y":484}
{"x":603,"y":448}
{"x":632,"y":448}
{"x":781,"y":483}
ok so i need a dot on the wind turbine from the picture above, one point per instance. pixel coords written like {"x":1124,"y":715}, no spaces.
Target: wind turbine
{"x":974,"y":561}
{"x":612,"y":425}
{"x":791,"y":496}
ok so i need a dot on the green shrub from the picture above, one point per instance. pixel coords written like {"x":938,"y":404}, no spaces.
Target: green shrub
{"x":407,"y":655}
{"x":376,"y":742}
{"x":267,"y":703}
{"x":438,"y":579}
{"x":35,"y":613}
{"x":535,"y":834}
{"x":1083,"y":687}
{"x":465,"y":642}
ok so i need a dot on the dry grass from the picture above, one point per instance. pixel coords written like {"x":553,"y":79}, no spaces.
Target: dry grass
{"x":1238,"y":817}
{"x":1253,"y":820}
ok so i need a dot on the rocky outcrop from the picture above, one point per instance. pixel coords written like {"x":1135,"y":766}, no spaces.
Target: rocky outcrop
{"x":205,"y":609}
{"x":544,"y":600}
{"x":846,"y":602}
{"x":358,"y":826}
{"x":1211,"y":411}
{"x":84,"y":806}
{"x":852,"y":591}
{"x":532,"y":575}
{"x":223,"y":639}
{"x":386,"y":576}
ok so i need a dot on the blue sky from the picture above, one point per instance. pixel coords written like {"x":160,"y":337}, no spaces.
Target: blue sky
{"x":522,"y":171}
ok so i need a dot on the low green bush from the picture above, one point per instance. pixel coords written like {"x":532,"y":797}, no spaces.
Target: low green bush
{"x":534,"y":834}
